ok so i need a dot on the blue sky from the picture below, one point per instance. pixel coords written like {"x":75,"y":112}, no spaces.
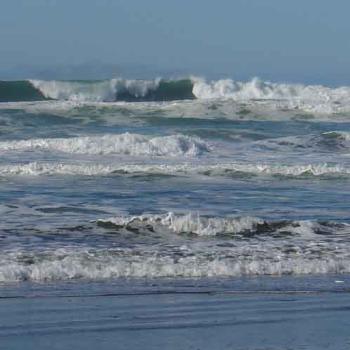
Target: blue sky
{"x":299,"y":40}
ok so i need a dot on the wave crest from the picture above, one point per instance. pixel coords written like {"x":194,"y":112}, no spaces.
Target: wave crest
{"x":257,"y":89}
{"x":190,"y":223}
{"x":215,"y":226}
{"x":101,"y":91}
{"x":106,"y":264}
{"x":127,"y":144}
{"x":225,"y":170}
{"x":115,"y":90}
{"x":276,"y":96}
{"x":282,"y":247}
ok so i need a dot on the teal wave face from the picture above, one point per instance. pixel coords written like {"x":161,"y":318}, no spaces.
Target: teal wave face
{"x":96,"y":91}
{"x":15,"y":91}
{"x":166,"y":91}
{"x":278,"y":96}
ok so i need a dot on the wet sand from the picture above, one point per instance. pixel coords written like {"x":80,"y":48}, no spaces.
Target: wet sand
{"x":113,"y":316}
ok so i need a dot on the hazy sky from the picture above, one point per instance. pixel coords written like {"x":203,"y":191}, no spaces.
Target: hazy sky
{"x":299,"y":40}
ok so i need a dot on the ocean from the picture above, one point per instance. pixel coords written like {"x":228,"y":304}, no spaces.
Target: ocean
{"x":175,"y":191}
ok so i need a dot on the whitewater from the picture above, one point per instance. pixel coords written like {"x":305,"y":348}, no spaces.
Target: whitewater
{"x":256,"y":93}
{"x":172,"y":179}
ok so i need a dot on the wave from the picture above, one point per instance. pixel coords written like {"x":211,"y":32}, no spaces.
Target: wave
{"x":331,"y":141}
{"x":97,"y":91}
{"x":255,"y":247}
{"x":15,"y":91}
{"x":108,"y":264}
{"x":311,"y":98}
{"x":257,"y":89}
{"x":126,"y":144}
{"x":236,"y":170}
{"x":215,"y":226}
{"x":190,"y":224}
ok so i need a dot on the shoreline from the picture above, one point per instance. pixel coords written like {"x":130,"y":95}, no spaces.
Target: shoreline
{"x":178,"y":315}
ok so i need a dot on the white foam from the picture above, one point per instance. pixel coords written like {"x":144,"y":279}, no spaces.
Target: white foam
{"x":196,"y":224}
{"x":257,"y":89}
{"x":262,"y":99}
{"x":189,"y":223}
{"x":273,"y":248}
{"x":230,"y":169}
{"x":310,"y":98}
{"x":128,"y":144}
{"x":100,"y":91}
{"x":293,"y":170}
{"x":65,"y":264}
{"x":200,"y":108}
{"x":37,"y":169}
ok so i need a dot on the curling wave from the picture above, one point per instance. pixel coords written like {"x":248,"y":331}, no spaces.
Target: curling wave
{"x":282,"y":247}
{"x":215,"y":226}
{"x":97,"y":91}
{"x":310,"y":98}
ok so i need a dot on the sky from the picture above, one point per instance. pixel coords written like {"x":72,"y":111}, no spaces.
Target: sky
{"x":280,"y":40}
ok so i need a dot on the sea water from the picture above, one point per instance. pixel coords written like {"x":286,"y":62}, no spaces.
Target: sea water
{"x":131,"y":180}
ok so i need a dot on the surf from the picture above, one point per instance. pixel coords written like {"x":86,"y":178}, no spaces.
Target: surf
{"x":316,"y":98}
{"x":97,"y":91}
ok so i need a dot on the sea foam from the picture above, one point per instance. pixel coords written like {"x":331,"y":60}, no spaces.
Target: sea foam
{"x":310,"y":98}
{"x":198,"y":225}
{"x":127,"y":144}
{"x":94,"y":264}
{"x":216,"y":247}
{"x":189,"y":223}
{"x":323,"y":170}
{"x":100,"y":91}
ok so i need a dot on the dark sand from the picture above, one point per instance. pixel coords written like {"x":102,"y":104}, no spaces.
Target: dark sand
{"x":246,"y":314}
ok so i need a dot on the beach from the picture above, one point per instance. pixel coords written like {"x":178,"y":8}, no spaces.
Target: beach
{"x":253,"y":313}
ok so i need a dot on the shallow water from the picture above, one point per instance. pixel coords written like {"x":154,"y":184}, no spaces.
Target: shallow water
{"x":244,"y":313}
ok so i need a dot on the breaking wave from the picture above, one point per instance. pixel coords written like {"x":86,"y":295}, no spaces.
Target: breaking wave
{"x":127,"y":144}
{"x":190,"y":224}
{"x":107,"y":264}
{"x":257,"y":89}
{"x":215,"y":226}
{"x":273,"y":248}
{"x":311,"y":98}
{"x":226,"y":170}
{"x":97,"y":91}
